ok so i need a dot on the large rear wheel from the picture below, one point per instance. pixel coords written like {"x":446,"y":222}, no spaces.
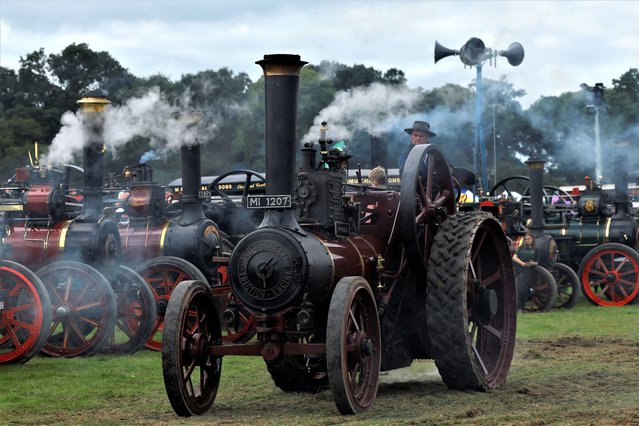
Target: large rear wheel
{"x":191,"y":373}
{"x":471,"y":303}
{"x":25,"y":313}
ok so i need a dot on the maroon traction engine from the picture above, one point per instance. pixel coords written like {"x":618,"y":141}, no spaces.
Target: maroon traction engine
{"x":97,"y":303}
{"x":343,"y":285}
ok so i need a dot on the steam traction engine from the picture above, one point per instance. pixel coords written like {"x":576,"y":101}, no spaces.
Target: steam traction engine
{"x":77,"y":249}
{"x":592,"y":237}
{"x":169,"y":244}
{"x":357,"y":283}
{"x":602,"y":243}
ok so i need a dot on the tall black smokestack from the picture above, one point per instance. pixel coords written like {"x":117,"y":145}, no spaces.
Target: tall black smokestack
{"x":622,"y":202}
{"x":191,"y":175}
{"x":281,"y":77}
{"x":379,"y":151}
{"x":92,"y":108}
{"x":536,"y":174}
{"x":191,"y":181}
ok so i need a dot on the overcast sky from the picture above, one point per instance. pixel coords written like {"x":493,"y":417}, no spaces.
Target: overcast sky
{"x":566,"y":42}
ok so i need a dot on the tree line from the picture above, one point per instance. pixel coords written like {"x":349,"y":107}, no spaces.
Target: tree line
{"x":556,"y":128}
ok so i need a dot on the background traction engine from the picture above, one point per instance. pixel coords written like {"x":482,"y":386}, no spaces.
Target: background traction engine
{"x":603,"y":244}
{"x":596,"y":235}
{"x":170,"y":244}
{"x":97,"y":304}
{"x":356,"y":283}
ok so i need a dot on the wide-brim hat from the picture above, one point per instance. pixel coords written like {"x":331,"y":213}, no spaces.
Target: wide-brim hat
{"x":421,"y":126}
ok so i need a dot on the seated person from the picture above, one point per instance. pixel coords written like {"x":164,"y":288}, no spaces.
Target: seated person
{"x":377,"y":177}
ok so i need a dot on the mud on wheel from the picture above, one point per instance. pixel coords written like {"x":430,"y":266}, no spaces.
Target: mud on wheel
{"x":471,"y":302}
{"x":25,"y":313}
{"x":191,"y":373}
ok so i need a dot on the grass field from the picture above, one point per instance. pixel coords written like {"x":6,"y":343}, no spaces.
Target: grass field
{"x":570,"y":367}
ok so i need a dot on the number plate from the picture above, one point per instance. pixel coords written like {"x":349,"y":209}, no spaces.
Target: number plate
{"x":268,"y":201}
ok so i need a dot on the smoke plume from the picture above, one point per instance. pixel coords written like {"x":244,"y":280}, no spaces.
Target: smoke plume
{"x":374,"y":109}
{"x":149,"y":116}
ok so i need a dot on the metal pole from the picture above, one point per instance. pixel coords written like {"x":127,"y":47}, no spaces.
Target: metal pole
{"x":598,"y":175}
{"x":480,"y":132}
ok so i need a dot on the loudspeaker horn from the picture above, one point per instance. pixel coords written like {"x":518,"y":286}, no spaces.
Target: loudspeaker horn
{"x":473,"y":52}
{"x":514,"y":54}
{"x":442,"y":52}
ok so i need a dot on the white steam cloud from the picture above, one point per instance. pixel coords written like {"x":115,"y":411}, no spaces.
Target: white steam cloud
{"x":148,"y":116}
{"x":374,"y":109}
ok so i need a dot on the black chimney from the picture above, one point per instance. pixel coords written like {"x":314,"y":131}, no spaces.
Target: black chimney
{"x":379,"y":151}
{"x":92,"y":108}
{"x":281,"y":76}
{"x":536,"y":174}
{"x":191,"y":181}
{"x":622,"y":202}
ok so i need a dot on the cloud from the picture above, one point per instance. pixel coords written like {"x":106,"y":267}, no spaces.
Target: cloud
{"x":588,"y":41}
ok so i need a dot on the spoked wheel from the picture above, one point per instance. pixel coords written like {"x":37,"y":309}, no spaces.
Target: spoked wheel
{"x":303,"y":373}
{"x":609,"y":275}
{"x":163,"y":274}
{"x":426,"y":199}
{"x":136,"y":312}
{"x":471,"y":302}
{"x":25,"y":313}
{"x":568,"y":286}
{"x":542,"y":290}
{"x":84,"y":309}
{"x":236,"y":320}
{"x":191,"y":373}
{"x":353,"y":346}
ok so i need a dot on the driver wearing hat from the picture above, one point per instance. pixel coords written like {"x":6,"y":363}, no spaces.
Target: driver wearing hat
{"x":419,"y":134}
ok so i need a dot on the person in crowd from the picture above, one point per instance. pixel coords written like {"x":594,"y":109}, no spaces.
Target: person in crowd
{"x":526,"y":257}
{"x":419,"y":134}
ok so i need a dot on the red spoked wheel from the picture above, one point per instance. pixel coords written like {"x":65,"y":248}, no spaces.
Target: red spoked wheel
{"x":237,"y":321}
{"x":136,"y":312}
{"x":191,"y":372}
{"x":471,"y":302}
{"x":84,"y":309}
{"x":609,"y":275}
{"x":353,"y":346}
{"x":25,"y":313}
{"x":163,"y":274}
